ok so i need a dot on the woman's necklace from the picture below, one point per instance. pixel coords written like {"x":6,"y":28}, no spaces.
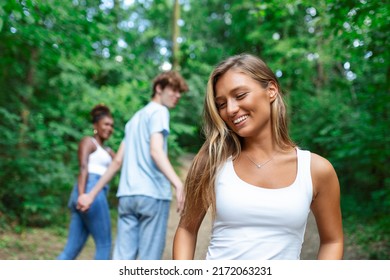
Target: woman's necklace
{"x":260,"y":165}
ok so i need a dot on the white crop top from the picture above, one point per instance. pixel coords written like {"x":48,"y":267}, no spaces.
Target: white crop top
{"x":254,"y":223}
{"x":99,"y":160}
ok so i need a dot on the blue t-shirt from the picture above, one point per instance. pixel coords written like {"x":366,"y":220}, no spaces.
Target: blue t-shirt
{"x":139,"y":173}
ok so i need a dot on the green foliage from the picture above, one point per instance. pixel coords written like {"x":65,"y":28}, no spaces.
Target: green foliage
{"x":366,"y":224}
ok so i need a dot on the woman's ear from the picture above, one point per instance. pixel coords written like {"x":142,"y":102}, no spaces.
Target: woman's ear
{"x":273,"y":91}
{"x":95,"y":127}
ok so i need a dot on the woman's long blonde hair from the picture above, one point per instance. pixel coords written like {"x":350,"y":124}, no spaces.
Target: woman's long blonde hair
{"x":221,"y":142}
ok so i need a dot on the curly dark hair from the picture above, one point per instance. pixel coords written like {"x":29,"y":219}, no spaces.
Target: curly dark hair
{"x":100,"y":111}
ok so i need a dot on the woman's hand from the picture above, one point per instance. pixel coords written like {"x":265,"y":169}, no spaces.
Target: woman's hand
{"x":84,"y":201}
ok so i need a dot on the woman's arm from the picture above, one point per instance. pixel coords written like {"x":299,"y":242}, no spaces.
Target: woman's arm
{"x":326,"y":208}
{"x":86,"y":147}
{"x":184,"y":242}
{"x":85,"y":201}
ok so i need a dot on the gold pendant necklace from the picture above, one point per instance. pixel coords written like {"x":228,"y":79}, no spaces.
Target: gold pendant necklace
{"x":260,"y":165}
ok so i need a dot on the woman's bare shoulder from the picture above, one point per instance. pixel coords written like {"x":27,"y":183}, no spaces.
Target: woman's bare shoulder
{"x":322,"y":171}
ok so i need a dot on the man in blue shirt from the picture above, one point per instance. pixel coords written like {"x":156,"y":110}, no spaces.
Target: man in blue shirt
{"x":144,"y":190}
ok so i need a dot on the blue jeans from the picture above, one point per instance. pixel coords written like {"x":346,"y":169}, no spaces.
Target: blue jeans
{"x":142,"y":227}
{"x":96,"y":221}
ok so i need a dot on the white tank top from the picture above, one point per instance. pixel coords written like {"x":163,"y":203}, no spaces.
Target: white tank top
{"x":99,"y":160}
{"x":254,"y":223}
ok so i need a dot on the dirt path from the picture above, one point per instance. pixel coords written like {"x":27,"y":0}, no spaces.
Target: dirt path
{"x":204,"y":231}
{"x":309,"y":249}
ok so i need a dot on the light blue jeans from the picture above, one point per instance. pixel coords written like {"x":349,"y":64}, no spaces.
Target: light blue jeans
{"x":96,"y":221}
{"x":142,"y":227}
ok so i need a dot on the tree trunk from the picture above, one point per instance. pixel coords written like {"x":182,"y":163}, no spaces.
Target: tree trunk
{"x":175,"y":35}
{"x":25,"y":111}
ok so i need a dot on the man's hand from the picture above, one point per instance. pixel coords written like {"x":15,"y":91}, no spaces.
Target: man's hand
{"x":180,"y":198}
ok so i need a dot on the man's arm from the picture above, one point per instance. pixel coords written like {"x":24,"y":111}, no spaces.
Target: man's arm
{"x":165,"y":166}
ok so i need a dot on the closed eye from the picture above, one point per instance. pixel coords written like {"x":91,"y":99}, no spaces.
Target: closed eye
{"x":241,"y":95}
{"x":220,"y":106}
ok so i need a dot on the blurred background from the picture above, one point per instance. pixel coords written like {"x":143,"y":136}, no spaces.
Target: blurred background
{"x":60,"y":58}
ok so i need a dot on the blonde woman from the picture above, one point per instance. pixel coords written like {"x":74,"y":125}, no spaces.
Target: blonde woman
{"x":259,"y":185}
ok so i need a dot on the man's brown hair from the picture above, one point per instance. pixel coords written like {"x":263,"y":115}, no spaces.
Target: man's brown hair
{"x":171,"y":79}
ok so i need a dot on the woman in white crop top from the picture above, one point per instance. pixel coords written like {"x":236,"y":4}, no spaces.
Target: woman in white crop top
{"x":259,"y":185}
{"x":93,"y":162}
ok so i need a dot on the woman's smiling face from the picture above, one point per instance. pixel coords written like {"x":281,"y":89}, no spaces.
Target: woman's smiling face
{"x":104,"y":127}
{"x":243,"y":103}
